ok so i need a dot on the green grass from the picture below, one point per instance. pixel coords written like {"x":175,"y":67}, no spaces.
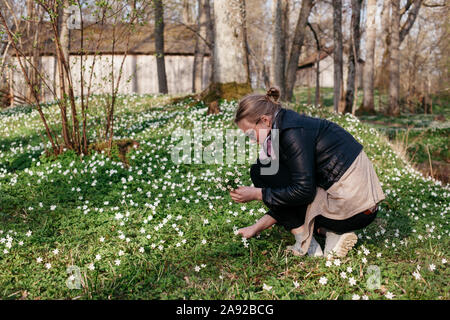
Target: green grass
{"x":151,"y":217}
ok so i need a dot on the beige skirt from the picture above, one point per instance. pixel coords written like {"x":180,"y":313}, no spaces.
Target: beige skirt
{"x":357,"y":190}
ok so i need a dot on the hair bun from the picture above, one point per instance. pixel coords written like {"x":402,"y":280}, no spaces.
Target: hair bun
{"x":274,"y":93}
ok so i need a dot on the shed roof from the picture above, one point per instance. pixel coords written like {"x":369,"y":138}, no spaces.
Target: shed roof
{"x":179,"y":39}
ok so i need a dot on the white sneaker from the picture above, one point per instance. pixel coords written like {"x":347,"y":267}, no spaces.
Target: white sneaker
{"x":314,"y":249}
{"x":339,"y":244}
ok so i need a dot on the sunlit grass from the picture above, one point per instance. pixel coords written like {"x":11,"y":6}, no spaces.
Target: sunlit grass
{"x":161,"y":231}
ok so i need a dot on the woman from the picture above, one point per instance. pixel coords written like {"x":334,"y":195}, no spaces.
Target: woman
{"x":324,"y":184}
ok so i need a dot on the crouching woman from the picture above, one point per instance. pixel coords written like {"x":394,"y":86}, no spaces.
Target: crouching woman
{"x":313,"y":176}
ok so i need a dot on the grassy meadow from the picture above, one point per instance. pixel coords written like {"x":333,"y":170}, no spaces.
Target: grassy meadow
{"x":94,"y":228}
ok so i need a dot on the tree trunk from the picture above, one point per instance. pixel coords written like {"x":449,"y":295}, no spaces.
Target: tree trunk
{"x":353,"y":56}
{"x":200,"y":45}
{"x":394,"y":60}
{"x":63,"y":17}
{"x":383,"y":76}
{"x":412,"y":15}
{"x":229,"y":58}
{"x":412,"y":9}
{"x":279,"y":45}
{"x":339,"y":102}
{"x":319,"y":49}
{"x":159,"y":46}
{"x":297,"y":43}
{"x":243,"y":12}
{"x":32,"y":31}
{"x":64,"y":40}
{"x":368,"y":104}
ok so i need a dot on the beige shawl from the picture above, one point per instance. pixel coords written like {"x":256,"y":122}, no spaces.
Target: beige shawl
{"x":356,"y":191}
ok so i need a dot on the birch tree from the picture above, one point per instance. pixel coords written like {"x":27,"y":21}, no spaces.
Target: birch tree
{"x":368,"y":104}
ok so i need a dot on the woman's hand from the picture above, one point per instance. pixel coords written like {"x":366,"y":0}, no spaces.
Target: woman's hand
{"x":245,"y":194}
{"x":247,"y":232}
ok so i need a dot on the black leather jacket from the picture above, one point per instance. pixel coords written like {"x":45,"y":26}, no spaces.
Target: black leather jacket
{"x":317,"y":153}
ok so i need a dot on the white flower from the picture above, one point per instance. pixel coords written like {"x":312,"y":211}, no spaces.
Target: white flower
{"x":296,"y":284}
{"x":352,"y":281}
{"x":203,"y":241}
{"x":417,"y":275}
{"x":102,"y":239}
{"x":355,"y":297}
{"x":432,"y":267}
{"x":48,"y":265}
{"x":53,"y":207}
{"x":364,"y":297}
{"x":337,"y":262}
{"x":444,"y":261}
{"x":39,"y":260}
{"x":55,"y":252}
{"x":28,"y":234}
{"x":343,"y":275}
{"x":389,"y":295}
{"x":266,"y":287}
{"x":364,"y":260}
{"x":117,"y":262}
{"x":91,"y":266}
{"x":328,"y":263}
{"x":98,"y":257}
{"x":349,"y":269}
{"x":323,"y":280}
{"x":141,"y":249}
{"x":205,"y":221}
{"x":197,"y":268}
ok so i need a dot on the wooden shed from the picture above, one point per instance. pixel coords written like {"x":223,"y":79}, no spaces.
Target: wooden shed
{"x":105,"y":47}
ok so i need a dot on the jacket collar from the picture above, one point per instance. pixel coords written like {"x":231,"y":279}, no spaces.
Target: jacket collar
{"x":287,"y":118}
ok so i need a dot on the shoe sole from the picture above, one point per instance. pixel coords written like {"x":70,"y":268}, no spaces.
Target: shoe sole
{"x":345,"y":244}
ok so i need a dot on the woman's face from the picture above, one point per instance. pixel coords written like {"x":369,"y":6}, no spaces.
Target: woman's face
{"x":256,"y":131}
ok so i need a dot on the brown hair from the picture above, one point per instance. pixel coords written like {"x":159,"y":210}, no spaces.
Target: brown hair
{"x":254,"y":105}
